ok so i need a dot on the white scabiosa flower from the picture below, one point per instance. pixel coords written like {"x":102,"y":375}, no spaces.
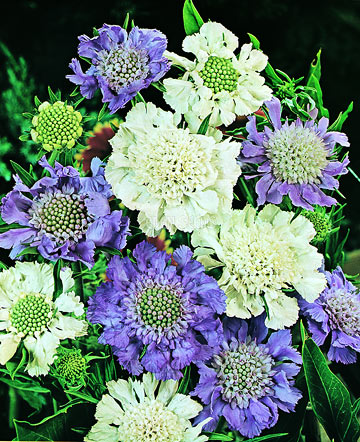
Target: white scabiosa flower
{"x":262,"y":254}
{"x":147,"y":411}
{"x":217,"y":82}
{"x":29,"y":313}
{"x":175,"y":178}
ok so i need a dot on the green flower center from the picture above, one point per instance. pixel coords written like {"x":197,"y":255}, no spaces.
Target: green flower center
{"x":71,"y":366}
{"x":219,"y":74}
{"x":321,"y":223}
{"x":63,"y":216}
{"x":297,"y":154}
{"x":31,"y":313}
{"x":159,"y":308}
{"x":57,"y":126}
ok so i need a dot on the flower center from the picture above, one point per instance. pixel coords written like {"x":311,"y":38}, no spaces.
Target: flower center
{"x":219,"y":74}
{"x":71,"y":365}
{"x":159,"y":308}
{"x":151,"y":421}
{"x":62,"y":216}
{"x":57,"y":126}
{"x":322,"y":225}
{"x":343,"y":309}
{"x":244,"y":374}
{"x":297,"y":154}
{"x":31,"y":313}
{"x":175,"y":164}
{"x":122,"y":66}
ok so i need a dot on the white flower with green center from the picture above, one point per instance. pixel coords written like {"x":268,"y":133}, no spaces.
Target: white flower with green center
{"x":147,"y":411}
{"x":56,"y":126}
{"x":217,"y":82}
{"x":30,"y":314}
{"x":176,"y":179}
{"x":262,"y":254}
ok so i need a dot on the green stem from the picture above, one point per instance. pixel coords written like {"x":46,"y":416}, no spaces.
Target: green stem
{"x":77,"y":275}
{"x":13,"y":406}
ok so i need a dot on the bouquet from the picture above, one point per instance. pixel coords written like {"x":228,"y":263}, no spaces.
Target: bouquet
{"x":179,"y":277}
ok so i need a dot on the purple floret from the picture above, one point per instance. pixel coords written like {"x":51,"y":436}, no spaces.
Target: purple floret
{"x":248,"y":381}
{"x":63,"y":215}
{"x":336,"y":313}
{"x":287,"y":166}
{"x":170,"y":311}
{"x":121,"y":64}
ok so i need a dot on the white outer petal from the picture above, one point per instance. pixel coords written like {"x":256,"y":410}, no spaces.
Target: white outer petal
{"x":42,"y":351}
{"x":101,"y":432}
{"x":108,"y":410}
{"x":64,"y":327}
{"x":66,"y":279}
{"x":283,"y":311}
{"x":8,"y":345}
{"x":184,"y":407}
{"x":68,"y":302}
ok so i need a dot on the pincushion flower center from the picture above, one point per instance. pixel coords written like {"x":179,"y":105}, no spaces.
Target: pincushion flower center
{"x":244,"y":373}
{"x":122,"y":66}
{"x":71,"y":365}
{"x":219,"y":74}
{"x":31,"y":313}
{"x":151,"y":421}
{"x":297,"y":155}
{"x":343,"y":309}
{"x":61,"y":215}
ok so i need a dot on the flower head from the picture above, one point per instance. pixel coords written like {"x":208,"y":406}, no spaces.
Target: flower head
{"x":146,"y":411}
{"x":261,"y":254}
{"x":175,"y":178}
{"x":56,"y":126}
{"x":321,"y":222}
{"x":65,"y":216}
{"x":121,"y":64}
{"x":336,"y":313}
{"x":295,"y":159}
{"x":30,"y":314}
{"x":70,"y":366}
{"x":171,"y":309}
{"x":217,"y":82}
{"x":247,"y":381}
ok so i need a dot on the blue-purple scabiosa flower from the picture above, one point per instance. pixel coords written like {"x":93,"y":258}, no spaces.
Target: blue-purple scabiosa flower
{"x":336,"y":313}
{"x":63,"y":215}
{"x":121,"y":64}
{"x":247,"y":381}
{"x":294,"y":159}
{"x":171,"y":311}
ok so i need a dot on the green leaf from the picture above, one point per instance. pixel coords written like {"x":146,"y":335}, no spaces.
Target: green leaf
{"x":28,"y":251}
{"x":267,"y":437}
{"x":315,"y":67}
{"x":218,"y":436}
{"x":254,"y":41}
{"x":126,"y":21}
{"x":110,"y":250}
{"x":270,"y":72}
{"x":192,"y":19}
{"x":102,"y":112}
{"x":329,"y":397}
{"x":204,"y":125}
{"x":338,"y":123}
{"x":24,"y":137}
{"x":314,"y":82}
{"x":26,"y":178}
{"x":28,"y":385}
{"x":80,"y":395}
{"x":6,"y":227}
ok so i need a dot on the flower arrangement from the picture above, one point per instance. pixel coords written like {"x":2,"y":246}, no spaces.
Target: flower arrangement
{"x":187,"y":286}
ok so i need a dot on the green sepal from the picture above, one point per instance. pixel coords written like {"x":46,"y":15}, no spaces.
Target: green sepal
{"x":25,"y":177}
{"x":255,"y":42}
{"x":338,"y":123}
{"x":191,"y":17}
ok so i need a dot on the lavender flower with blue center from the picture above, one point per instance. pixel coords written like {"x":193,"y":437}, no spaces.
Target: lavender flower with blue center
{"x":121,"y":64}
{"x":64,"y":215}
{"x":170,"y":311}
{"x":294,"y":159}
{"x":336,"y":312}
{"x":247,"y":381}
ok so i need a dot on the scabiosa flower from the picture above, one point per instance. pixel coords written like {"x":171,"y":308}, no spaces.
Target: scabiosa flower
{"x":248,"y":381}
{"x":176,"y":179}
{"x":30,"y":314}
{"x":56,"y":126}
{"x":121,"y":64}
{"x":146,"y":411}
{"x":336,"y":313}
{"x":65,"y":216}
{"x":261,"y":254}
{"x":295,"y":159}
{"x":70,"y":366}
{"x":217,"y":82}
{"x":321,"y":222}
{"x":172,"y":310}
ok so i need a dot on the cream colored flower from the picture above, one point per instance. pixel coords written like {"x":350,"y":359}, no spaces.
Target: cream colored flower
{"x":133,"y":412}
{"x":217,"y":82}
{"x":176,"y":179}
{"x":29,"y":313}
{"x":262,"y":254}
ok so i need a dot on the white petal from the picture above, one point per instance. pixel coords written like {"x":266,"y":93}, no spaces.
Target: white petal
{"x":66,"y":279}
{"x":68,"y":302}
{"x":108,"y":410}
{"x":122,"y":391}
{"x":8,"y":345}
{"x":167,"y":391}
{"x":283,"y":311}
{"x":67,"y":327}
{"x":101,"y":432}
{"x":150,"y":383}
{"x":178,"y":60}
{"x":184,"y":407}
{"x":42,"y":351}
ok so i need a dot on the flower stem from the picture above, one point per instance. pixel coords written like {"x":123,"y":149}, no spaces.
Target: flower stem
{"x":13,"y":406}
{"x":77,"y":274}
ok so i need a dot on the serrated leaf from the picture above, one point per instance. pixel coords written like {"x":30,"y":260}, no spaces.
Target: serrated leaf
{"x":255,"y":42}
{"x":204,"y":125}
{"x":338,"y":123}
{"x":329,"y":397}
{"x":191,"y":17}
{"x":26,"y":178}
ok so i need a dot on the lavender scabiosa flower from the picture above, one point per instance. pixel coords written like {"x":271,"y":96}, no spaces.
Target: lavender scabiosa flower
{"x":247,"y":381}
{"x":65,"y":216}
{"x":336,"y":313}
{"x":121,"y":64}
{"x":294,"y":159}
{"x":173,"y":310}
